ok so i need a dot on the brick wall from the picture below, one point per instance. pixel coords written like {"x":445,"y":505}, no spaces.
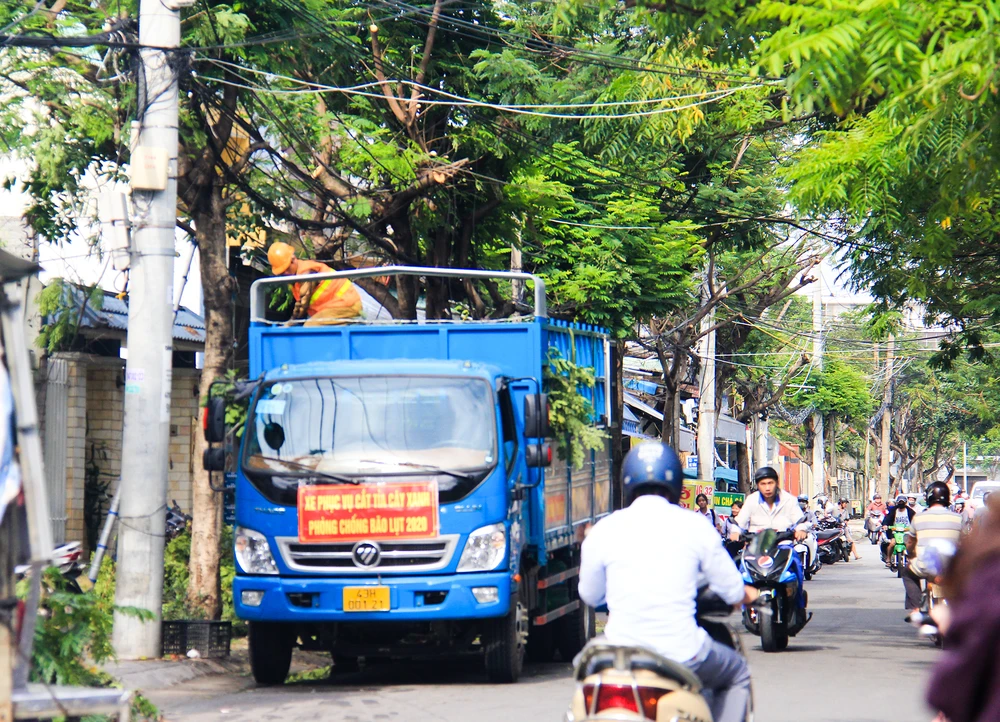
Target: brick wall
{"x":76,"y":432}
{"x":94,"y":417}
{"x":183,"y":423}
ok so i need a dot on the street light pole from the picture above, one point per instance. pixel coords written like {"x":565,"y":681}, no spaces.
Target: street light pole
{"x":146,"y":434}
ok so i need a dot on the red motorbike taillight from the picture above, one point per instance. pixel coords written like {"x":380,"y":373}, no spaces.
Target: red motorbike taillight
{"x":617,"y":696}
{"x":650,"y":697}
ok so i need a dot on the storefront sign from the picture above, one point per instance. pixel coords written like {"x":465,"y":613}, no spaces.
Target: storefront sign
{"x":371,"y":511}
{"x":724,"y":501}
{"x":691,"y":491}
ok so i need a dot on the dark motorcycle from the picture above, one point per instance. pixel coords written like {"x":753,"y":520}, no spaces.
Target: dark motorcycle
{"x":830,"y":544}
{"x":177,"y":520}
{"x":771,"y":565}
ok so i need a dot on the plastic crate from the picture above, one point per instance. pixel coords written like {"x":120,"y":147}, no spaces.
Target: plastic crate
{"x":210,"y":639}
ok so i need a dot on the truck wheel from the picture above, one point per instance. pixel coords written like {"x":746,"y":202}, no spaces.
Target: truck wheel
{"x":574,"y":631}
{"x":541,"y":644}
{"x":504,"y":642}
{"x":345,"y":665}
{"x":270,"y":651}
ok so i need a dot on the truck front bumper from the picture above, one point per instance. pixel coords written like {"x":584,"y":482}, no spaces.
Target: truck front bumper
{"x":412,"y":599}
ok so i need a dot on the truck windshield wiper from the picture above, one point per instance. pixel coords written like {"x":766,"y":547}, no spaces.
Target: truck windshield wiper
{"x":423,"y":467}
{"x":314,"y":472}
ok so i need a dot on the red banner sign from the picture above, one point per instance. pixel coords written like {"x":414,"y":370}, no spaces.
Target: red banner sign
{"x":379,"y":512}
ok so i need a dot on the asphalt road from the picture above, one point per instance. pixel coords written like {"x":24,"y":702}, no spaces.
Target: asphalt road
{"x":856,"y":660}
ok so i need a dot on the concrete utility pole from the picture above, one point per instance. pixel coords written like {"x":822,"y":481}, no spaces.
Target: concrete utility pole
{"x":819,"y":475}
{"x":146,"y":435}
{"x":760,"y":432}
{"x":706,"y":398}
{"x":883,"y":472}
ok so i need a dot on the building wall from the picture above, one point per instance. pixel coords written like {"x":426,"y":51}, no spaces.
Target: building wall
{"x":94,"y":413}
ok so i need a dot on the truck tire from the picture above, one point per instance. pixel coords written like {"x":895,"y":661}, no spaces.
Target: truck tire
{"x":541,"y":644}
{"x":271,"y":647}
{"x":574,"y":631}
{"x":504,"y":641}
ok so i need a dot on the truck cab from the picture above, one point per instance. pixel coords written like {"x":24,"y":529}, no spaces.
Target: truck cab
{"x":396,"y":496}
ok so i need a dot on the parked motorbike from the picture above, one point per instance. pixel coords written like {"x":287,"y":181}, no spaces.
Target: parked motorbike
{"x":771,"y":564}
{"x":633,"y":683}
{"x":68,"y":558}
{"x":177,"y":520}
{"x":831,"y":547}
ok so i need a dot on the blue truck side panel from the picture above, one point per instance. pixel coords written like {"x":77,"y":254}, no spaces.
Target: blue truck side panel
{"x":516,"y":348}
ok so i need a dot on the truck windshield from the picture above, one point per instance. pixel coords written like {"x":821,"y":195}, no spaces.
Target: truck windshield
{"x":370,"y":426}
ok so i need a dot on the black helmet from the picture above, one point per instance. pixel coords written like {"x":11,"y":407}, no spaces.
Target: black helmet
{"x":901,"y":501}
{"x":937,"y":493}
{"x":765,"y":472}
{"x":652,"y":467}
{"x":843,"y":500}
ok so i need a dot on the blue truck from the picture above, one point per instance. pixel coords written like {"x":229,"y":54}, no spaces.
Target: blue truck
{"x":396,"y":494}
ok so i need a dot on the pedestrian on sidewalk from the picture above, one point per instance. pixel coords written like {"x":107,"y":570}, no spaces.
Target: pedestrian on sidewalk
{"x":965,"y":684}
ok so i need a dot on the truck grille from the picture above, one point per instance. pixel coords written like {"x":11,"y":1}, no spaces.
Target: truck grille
{"x":423,"y":555}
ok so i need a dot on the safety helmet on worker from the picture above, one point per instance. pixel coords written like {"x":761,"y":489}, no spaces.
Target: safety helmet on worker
{"x":652,"y":468}
{"x":765,"y":472}
{"x":937,"y":493}
{"x":280,"y":255}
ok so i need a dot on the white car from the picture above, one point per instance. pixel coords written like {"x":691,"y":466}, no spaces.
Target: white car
{"x":979,"y":490}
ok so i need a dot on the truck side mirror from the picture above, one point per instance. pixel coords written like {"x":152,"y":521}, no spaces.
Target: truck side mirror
{"x":536,"y":416}
{"x":538,"y":455}
{"x":214,"y":459}
{"x":215,"y":420}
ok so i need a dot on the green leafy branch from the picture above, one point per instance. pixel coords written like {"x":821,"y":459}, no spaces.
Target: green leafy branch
{"x":73,"y":635}
{"x":570,"y":413}
{"x":62,"y":315}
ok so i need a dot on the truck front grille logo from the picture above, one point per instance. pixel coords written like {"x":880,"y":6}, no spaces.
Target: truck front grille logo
{"x":366,"y":554}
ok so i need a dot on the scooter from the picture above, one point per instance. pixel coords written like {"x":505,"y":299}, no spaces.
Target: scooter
{"x":633,"y":683}
{"x":831,"y":548}
{"x":934,"y":561}
{"x":897,"y":548}
{"x":771,"y":564}
{"x":177,"y":521}
{"x":68,"y":558}
{"x":873,"y":525}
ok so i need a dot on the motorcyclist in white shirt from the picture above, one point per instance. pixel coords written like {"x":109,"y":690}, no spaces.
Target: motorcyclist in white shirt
{"x":770,"y":508}
{"x":647,"y":561}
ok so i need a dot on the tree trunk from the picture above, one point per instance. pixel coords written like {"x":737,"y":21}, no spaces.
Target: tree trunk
{"x":210,"y":225}
{"x":743,"y":467}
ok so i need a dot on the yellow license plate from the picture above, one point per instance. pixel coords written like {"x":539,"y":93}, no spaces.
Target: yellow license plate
{"x":366,"y":599}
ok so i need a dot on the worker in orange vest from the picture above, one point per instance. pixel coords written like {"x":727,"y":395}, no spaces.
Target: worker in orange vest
{"x":328,"y":301}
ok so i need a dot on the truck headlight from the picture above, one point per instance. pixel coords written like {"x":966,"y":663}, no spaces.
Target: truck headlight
{"x":252,"y":551}
{"x":485,"y":549}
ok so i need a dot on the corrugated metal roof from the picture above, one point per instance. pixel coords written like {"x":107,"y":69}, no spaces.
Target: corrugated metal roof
{"x":188,"y":326}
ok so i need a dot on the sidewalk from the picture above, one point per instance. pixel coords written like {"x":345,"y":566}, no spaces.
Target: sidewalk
{"x":152,"y":675}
